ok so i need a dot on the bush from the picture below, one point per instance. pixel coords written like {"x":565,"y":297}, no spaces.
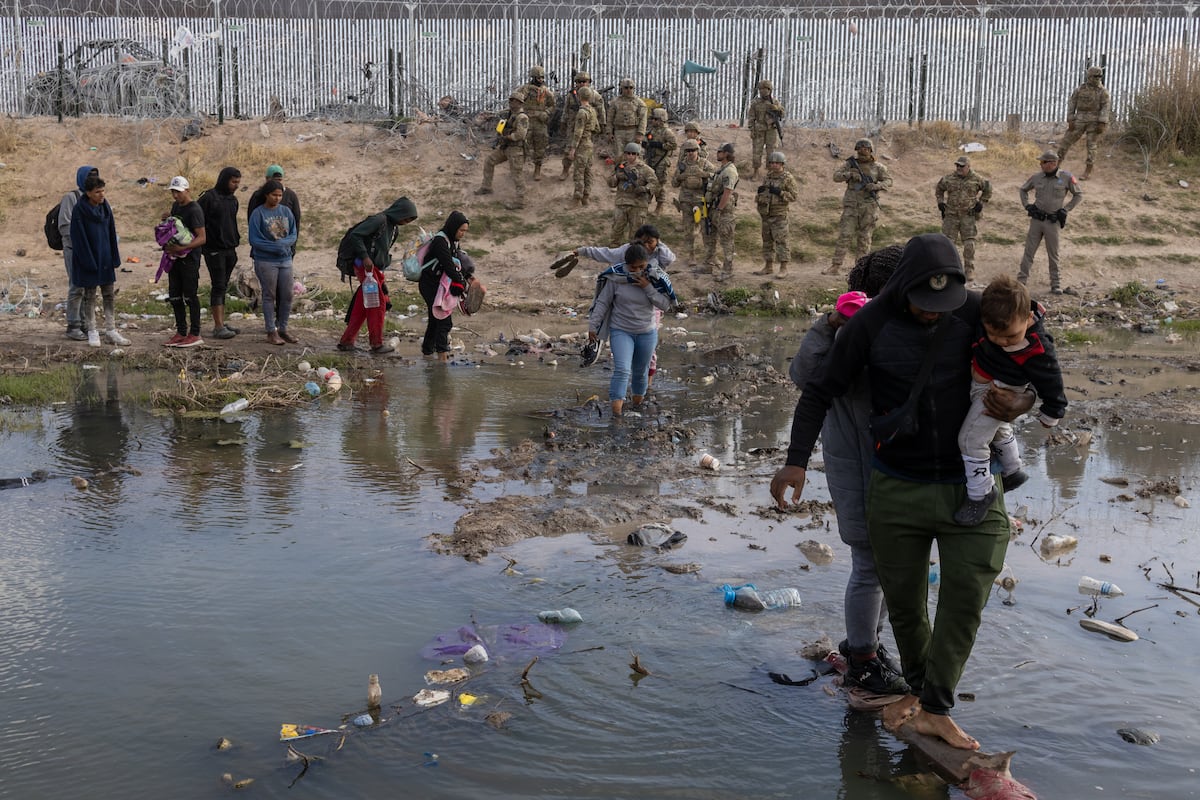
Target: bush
{"x":1164,"y":117}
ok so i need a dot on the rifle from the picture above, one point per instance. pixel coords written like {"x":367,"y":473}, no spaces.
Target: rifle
{"x":853,"y":163}
{"x":626,"y":181}
{"x":777,"y":122}
{"x":652,"y":144}
{"x":705,"y":218}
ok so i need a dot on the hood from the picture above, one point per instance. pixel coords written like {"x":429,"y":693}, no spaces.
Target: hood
{"x":453,"y":222}
{"x":401,"y":210}
{"x":227,"y":174}
{"x":925,"y":258}
{"x":81,"y":175}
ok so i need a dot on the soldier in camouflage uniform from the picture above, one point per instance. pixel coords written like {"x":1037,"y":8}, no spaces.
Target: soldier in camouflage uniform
{"x":571,"y":108}
{"x":691,"y":177}
{"x":778,"y":190}
{"x":635,"y":184}
{"x":510,"y":147}
{"x":1047,"y":214}
{"x":721,"y":200}
{"x":626,"y":117}
{"x":865,"y":178}
{"x":761,"y":119}
{"x":539,"y":107}
{"x":692,"y":131}
{"x":960,"y":198}
{"x":660,"y":146}
{"x":579,"y":146}
{"x":1087,"y":112}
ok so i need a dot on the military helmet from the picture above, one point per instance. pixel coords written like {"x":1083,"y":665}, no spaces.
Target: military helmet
{"x":659,"y":113}
{"x":585,"y":94}
{"x":627,"y":83}
{"x":1094,"y":72}
{"x":582,"y":77}
{"x":962,"y":161}
{"x":862,"y":144}
{"x":690,"y":145}
{"x":765,"y":84}
{"x":537,"y":72}
{"x":633,"y":147}
{"x":777,"y":158}
{"x":518,"y":96}
{"x":692,"y":125}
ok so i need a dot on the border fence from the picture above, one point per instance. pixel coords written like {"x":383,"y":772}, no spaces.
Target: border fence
{"x":977,"y":64}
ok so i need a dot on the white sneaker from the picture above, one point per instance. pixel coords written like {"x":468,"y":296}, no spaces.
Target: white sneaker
{"x":93,"y":338}
{"x":114,"y":337}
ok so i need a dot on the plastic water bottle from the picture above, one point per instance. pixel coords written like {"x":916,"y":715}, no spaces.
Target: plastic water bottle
{"x":1098,"y":588}
{"x":313,"y":388}
{"x":935,"y":573}
{"x":370,"y":290}
{"x":748,"y":596}
{"x":237,"y":405}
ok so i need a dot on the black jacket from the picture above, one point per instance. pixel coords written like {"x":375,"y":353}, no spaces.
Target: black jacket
{"x":1036,"y":363}
{"x":220,"y":207}
{"x":884,"y":338}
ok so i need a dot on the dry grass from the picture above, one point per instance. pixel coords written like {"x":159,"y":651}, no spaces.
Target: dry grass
{"x":1165,"y":116}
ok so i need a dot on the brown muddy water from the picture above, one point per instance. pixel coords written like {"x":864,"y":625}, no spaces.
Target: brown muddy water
{"x":238,"y":574}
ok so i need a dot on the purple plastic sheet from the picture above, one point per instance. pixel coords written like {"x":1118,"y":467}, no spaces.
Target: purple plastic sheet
{"x":499,"y":640}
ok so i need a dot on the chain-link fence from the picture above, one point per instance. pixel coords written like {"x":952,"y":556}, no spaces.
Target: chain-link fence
{"x":980,"y":64}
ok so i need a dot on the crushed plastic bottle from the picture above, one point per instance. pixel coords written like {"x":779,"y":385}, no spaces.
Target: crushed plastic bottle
{"x":313,"y":388}
{"x":563,"y":615}
{"x":241,"y":404}
{"x":1098,"y":588}
{"x":747,"y":596}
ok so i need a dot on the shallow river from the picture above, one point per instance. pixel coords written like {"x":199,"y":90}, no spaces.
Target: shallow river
{"x":227,"y":589}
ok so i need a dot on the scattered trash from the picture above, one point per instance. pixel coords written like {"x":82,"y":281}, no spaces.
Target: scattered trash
{"x":710,"y":462}
{"x":363,"y":720}
{"x":374,"y":691}
{"x":1181,"y":501}
{"x":467,"y":699}
{"x":304,"y":367}
{"x":1007,"y":581}
{"x":817,"y":552}
{"x":307,"y":137}
{"x":133,"y":260}
{"x":290,"y":730}
{"x":1116,"y":480}
{"x":1057,"y":543}
{"x":563,"y":615}
{"x":79,"y":483}
{"x":1097,"y":588}
{"x":749,"y":598}
{"x":497,"y":719}
{"x":476,"y":655}
{"x":1138,"y":736}
{"x":973,"y":147}
{"x":313,"y":388}
{"x":330,"y":378}
{"x":428,"y":698}
{"x":1110,"y":629}
{"x":437,"y":677}
{"x":223,"y":744}
{"x":241,"y":404}
{"x":228,"y":780}
{"x":935,"y":573}
{"x":1183,"y":184}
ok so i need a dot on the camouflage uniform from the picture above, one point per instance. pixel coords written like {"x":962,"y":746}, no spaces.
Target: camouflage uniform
{"x":1050,"y":190}
{"x":539,"y":107}
{"x":860,"y":206}
{"x":691,"y":128}
{"x":960,"y":197}
{"x":660,"y":147}
{"x":778,"y":190}
{"x":635,"y":184}
{"x":691,"y":177}
{"x":1087,"y":112}
{"x":626,"y":118}
{"x":511,"y":148}
{"x":571,"y":108}
{"x":721,"y":221}
{"x":761,"y":121}
{"x":586,"y":126}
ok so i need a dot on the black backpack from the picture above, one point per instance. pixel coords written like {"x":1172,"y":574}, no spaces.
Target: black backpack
{"x":345,"y":253}
{"x":53,"y":234}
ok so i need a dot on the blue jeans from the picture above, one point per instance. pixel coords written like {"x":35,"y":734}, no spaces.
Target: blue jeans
{"x":276,"y":281}
{"x":631,"y":354}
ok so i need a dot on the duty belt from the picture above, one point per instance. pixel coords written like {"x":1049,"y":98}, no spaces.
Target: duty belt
{"x":1043,"y":216}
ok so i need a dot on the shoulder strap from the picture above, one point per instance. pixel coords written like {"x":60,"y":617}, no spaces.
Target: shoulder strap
{"x":926,"y":370}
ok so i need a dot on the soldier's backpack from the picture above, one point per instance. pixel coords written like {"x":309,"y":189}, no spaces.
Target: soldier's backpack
{"x":53,"y":234}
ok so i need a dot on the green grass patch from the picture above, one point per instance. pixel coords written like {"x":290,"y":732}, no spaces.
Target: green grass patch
{"x":1102,"y":220}
{"x":1185,"y":325}
{"x":57,"y":384}
{"x":1153,"y":223}
{"x":901,"y":231}
{"x":499,"y":225}
{"x":1107,"y":241}
{"x":995,"y":238}
{"x":736,"y":296}
{"x":1149,"y":241}
{"x":1121,"y":261}
{"x":1074,"y":336}
{"x":1129,"y":294}
{"x":1180,"y":258}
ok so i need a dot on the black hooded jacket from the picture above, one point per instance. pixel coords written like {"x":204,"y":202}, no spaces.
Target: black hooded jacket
{"x":220,"y":206}
{"x":376,"y":234}
{"x":884,"y":338}
{"x":445,"y":249}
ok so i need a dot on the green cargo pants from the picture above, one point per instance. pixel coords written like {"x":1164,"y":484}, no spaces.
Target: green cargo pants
{"x":903,"y":519}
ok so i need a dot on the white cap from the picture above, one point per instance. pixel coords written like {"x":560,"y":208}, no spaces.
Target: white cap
{"x":179,"y":184}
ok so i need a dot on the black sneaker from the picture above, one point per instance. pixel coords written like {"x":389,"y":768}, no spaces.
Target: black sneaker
{"x":972,"y":512}
{"x":347,"y":348}
{"x":874,"y":677}
{"x":1012,"y":481}
{"x":590,"y":352}
{"x":886,"y":659}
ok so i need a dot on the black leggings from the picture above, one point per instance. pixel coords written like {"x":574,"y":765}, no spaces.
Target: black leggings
{"x":221,"y":264}
{"x":437,"y":331}
{"x":183,"y":283}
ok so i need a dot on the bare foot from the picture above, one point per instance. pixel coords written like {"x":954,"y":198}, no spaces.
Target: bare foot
{"x":899,"y":712}
{"x":944,"y":728}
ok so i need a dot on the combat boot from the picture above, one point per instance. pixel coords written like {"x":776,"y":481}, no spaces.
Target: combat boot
{"x":832,"y":269}
{"x":1087,"y":172}
{"x":658,"y":207}
{"x":783,"y":269}
{"x":766,"y":270}
{"x":537,"y":172}
{"x":484,"y":190}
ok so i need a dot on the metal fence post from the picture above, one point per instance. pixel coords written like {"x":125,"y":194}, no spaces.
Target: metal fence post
{"x":980,"y":57}
{"x":235,"y":74}
{"x":62,"y":76}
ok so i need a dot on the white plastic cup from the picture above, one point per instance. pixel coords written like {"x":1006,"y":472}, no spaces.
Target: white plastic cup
{"x":710,"y":462}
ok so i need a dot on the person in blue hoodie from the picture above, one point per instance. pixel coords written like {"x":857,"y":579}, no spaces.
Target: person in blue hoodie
{"x":94,"y":260}
{"x":272,"y":236}
{"x":66,"y":206}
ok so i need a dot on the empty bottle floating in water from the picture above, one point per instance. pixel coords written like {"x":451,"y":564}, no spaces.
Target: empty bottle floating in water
{"x":1098,"y":588}
{"x":237,"y":405}
{"x":748,"y":597}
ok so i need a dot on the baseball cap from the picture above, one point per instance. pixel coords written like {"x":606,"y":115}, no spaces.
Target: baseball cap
{"x":963,"y":161}
{"x":851,"y":302}
{"x":726,"y":148}
{"x":179,"y":184}
{"x":274,"y":171}
{"x":940,"y":287}
{"x":1049,"y":155}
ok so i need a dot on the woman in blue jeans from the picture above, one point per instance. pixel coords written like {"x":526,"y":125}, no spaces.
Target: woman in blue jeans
{"x":627,"y":301}
{"x":272,"y":236}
